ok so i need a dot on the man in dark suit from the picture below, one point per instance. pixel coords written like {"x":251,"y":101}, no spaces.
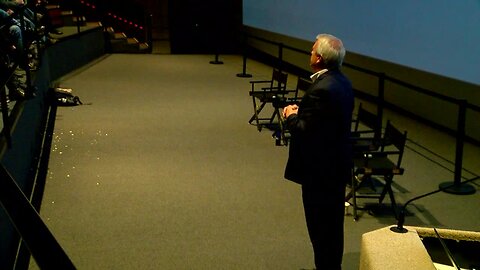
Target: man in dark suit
{"x":320,"y":153}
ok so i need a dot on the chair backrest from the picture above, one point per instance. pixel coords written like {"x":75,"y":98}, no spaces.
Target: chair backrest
{"x":370,"y":120}
{"x":395,"y":137}
{"x":302,"y":85}
{"x":279,"y":80}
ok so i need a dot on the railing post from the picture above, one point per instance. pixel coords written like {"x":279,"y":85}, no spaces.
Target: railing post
{"x":459,"y":188}
{"x":216,"y":45}
{"x":280,"y":57}
{"x":380,"y":103}
{"x":244,"y":70}
{"x":78,"y":14}
{"x":216,"y":39}
{"x":149,"y":30}
{"x":216,"y":61}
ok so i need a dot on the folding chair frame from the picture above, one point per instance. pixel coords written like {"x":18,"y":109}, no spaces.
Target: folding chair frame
{"x":273,"y":89}
{"x":367,"y":166}
{"x":282,"y":137}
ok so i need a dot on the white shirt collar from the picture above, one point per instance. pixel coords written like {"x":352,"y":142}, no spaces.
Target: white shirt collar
{"x":317,"y":74}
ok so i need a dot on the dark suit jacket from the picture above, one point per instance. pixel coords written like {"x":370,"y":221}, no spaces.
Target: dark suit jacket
{"x":320,"y":152}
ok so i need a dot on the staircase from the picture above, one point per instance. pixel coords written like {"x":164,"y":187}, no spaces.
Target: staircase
{"x":119,"y":42}
{"x":116,"y":41}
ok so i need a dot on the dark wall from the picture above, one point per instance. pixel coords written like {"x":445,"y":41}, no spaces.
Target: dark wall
{"x":204,"y":26}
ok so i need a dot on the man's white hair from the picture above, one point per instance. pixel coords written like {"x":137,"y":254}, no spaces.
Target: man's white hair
{"x":331,"y":49}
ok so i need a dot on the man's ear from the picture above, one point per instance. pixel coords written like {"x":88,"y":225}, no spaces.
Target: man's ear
{"x":319,"y":60}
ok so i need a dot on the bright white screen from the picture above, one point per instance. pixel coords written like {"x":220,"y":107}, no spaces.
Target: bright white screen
{"x":438,"y":36}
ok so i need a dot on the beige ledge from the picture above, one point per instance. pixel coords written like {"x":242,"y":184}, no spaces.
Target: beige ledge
{"x":383,"y":249}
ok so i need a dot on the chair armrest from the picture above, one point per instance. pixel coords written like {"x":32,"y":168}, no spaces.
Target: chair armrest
{"x":368,"y":155}
{"x":377,"y":171}
{"x":272,"y":88}
{"x":261,"y":93}
{"x":356,"y":138}
{"x":261,"y":81}
{"x":257,"y":84}
{"x":363,"y":132}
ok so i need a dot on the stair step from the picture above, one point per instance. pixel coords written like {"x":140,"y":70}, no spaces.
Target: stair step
{"x":91,"y":24}
{"x":121,"y":43}
{"x":119,"y":36}
{"x":122,"y":46}
{"x":143,"y":46}
{"x":132,"y":41}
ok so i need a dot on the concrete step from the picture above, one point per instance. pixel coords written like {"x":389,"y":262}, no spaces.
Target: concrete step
{"x":128,"y":46}
{"x":121,"y":43}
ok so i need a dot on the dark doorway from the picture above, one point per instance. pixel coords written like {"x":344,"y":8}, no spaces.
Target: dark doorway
{"x":204,"y":26}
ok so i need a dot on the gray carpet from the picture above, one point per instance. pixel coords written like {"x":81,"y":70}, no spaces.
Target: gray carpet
{"x":163,"y":171}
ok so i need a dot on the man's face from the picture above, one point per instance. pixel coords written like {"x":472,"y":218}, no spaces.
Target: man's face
{"x":315,"y":58}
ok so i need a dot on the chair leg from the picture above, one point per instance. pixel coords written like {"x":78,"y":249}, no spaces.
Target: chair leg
{"x":393,"y":203}
{"x":254,"y":116}
{"x":388,"y":189}
{"x":283,"y":138}
{"x":256,"y":113}
{"x":272,"y":118}
{"x":372,"y":184}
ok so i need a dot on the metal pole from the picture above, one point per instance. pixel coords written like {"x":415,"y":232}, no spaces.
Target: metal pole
{"x":149,"y":34}
{"x":458,"y":188}
{"x":216,"y":61}
{"x":280,"y":57}
{"x":380,"y":104}
{"x":244,"y":74}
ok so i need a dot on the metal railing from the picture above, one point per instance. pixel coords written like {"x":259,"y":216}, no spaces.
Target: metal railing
{"x":125,"y":16}
{"x":379,"y":100}
{"x":35,"y":234}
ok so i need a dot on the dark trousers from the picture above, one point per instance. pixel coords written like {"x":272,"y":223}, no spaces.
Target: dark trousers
{"x":324,"y":214}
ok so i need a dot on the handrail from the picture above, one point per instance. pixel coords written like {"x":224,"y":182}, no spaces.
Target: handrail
{"x":463,"y":105}
{"x":140,"y":26}
{"x":42,"y":244}
{"x":364,"y":70}
{"x":473,"y":107}
{"x":371,"y":72}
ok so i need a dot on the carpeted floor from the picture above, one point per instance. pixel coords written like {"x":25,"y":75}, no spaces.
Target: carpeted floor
{"x":161,"y":170}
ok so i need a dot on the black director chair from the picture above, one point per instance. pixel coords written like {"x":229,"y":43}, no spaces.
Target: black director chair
{"x":366,"y":131}
{"x":366,"y":135}
{"x":282,"y":135}
{"x":266,"y":92}
{"x":383,"y":164}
